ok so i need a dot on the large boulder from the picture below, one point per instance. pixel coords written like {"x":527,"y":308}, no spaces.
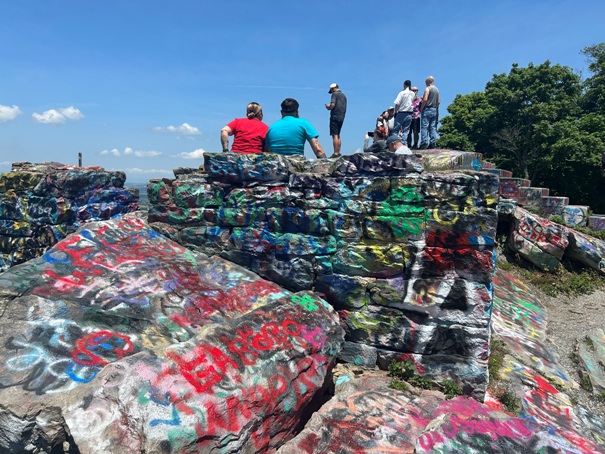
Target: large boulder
{"x":406,"y":256}
{"x":120,"y":340}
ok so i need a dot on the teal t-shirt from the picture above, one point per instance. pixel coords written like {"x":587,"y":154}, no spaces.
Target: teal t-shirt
{"x":288,"y":135}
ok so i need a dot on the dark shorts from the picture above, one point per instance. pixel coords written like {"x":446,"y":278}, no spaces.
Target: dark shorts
{"x":335,"y":126}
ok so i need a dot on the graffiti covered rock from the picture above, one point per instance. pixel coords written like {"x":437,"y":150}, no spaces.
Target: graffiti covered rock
{"x":120,"y":340}
{"x":40,"y":204}
{"x":405,"y":255}
{"x":367,"y":416}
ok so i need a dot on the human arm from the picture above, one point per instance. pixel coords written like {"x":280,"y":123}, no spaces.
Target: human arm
{"x":366,"y":140}
{"x":332,"y":102}
{"x":225,"y":133}
{"x":425,"y":98}
{"x":316,"y":147}
{"x":397,"y":102}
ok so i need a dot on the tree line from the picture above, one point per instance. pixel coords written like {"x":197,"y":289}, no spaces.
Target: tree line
{"x":544,"y":122}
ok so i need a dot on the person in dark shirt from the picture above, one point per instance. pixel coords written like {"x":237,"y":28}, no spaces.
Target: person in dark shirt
{"x":338,"y":109}
{"x":379,"y":144}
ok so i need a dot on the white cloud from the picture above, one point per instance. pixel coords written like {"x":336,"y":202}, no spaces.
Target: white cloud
{"x":50,"y":117}
{"x":113,"y":151}
{"x":147,"y":154}
{"x":185,"y":129}
{"x":8,"y":113}
{"x":129,"y":151}
{"x":136,"y":170}
{"x":71,"y":113}
{"x":195,"y":154}
{"x":55,"y":117}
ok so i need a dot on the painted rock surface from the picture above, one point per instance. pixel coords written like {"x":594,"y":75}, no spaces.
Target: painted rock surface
{"x":40,"y":204}
{"x":533,"y":371}
{"x":120,"y":340}
{"x":406,"y":256}
{"x":366,"y":416}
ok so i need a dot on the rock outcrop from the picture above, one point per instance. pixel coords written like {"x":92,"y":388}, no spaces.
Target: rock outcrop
{"x":120,"y":340}
{"x":545,"y":243}
{"x":41,"y":204}
{"x":405,"y":255}
{"x":366,"y":415}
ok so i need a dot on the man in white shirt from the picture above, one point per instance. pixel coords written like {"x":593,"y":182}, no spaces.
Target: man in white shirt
{"x":404,"y":107}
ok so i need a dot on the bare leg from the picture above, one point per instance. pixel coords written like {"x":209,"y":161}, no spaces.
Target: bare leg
{"x":336,"y":142}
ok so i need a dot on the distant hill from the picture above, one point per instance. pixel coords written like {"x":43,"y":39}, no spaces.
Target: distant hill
{"x":143,"y":200}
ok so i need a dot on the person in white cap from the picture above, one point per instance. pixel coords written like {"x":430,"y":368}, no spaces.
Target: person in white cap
{"x":338,"y":110}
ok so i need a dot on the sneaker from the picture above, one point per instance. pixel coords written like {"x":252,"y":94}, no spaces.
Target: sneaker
{"x":336,"y":155}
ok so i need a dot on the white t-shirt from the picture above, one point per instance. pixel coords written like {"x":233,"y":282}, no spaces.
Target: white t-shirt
{"x":405,"y":99}
{"x":403,"y":150}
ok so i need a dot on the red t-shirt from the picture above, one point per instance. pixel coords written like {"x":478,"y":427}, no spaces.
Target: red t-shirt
{"x":248,"y":135}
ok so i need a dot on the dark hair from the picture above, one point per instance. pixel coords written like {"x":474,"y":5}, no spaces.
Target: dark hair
{"x":289,"y":105}
{"x":407,"y":83}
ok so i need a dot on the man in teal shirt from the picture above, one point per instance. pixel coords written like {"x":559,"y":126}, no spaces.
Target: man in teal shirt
{"x":288,"y":135}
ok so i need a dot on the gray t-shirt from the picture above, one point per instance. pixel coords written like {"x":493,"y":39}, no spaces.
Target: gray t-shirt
{"x":340,"y":106}
{"x":432,"y":97}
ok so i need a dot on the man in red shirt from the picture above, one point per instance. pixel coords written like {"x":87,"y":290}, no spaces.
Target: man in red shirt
{"x":248,"y":133}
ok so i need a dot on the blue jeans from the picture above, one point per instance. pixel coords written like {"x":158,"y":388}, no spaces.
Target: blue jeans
{"x":428,"y":127}
{"x":403,"y":120}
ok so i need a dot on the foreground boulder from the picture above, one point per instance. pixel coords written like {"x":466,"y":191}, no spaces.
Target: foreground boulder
{"x":366,"y":416}
{"x":120,"y":340}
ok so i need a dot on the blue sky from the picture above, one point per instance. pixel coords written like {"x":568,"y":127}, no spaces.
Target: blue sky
{"x":145,"y":86}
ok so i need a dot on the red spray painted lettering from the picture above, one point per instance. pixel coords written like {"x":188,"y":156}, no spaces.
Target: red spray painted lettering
{"x":101,"y":348}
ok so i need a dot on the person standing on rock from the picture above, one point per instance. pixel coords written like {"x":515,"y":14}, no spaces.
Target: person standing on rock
{"x":415,"y":126}
{"x":288,"y":135}
{"x":338,"y":110}
{"x":429,"y":111}
{"x":403,"y":108}
{"x":248,"y":133}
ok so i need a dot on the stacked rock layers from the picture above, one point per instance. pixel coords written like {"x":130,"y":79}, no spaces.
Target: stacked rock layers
{"x":405,"y":256}
{"x":41,"y":204}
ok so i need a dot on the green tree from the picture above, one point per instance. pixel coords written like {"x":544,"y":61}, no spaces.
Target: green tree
{"x":538,"y":122}
{"x":594,"y":97}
